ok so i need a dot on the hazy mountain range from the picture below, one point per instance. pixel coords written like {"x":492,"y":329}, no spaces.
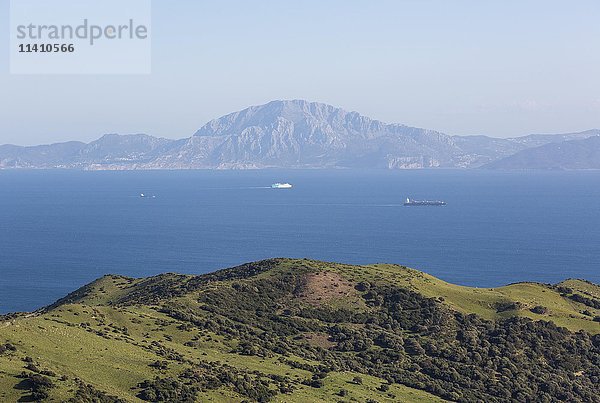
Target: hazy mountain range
{"x":301,"y":134}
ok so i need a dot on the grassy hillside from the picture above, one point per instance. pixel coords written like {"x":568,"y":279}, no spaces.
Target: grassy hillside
{"x":519,"y":299}
{"x":298,"y":330}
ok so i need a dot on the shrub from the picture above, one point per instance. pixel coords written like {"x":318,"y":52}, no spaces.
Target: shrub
{"x":40,"y":386}
{"x":540,"y":310}
{"x":89,"y":394}
{"x":7,"y":348}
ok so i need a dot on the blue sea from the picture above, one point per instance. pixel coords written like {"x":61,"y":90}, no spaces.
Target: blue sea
{"x":62,"y":229}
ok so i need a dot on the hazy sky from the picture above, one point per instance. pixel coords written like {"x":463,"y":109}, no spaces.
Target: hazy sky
{"x":502,"y":68}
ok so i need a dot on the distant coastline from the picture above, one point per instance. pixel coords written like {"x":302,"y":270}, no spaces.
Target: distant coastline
{"x":308,"y":135}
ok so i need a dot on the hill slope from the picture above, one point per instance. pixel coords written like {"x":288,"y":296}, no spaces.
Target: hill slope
{"x":299,"y":330}
{"x":110,"y":150}
{"x":572,"y":154}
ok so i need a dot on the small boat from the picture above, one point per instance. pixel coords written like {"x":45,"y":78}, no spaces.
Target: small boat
{"x":279,"y":185}
{"x":410,"y":202}
{"x":142,"y":195}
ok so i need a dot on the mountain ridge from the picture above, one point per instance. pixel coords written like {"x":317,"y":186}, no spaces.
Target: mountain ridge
{"x":574,"y":154}
{"x":283,"y":134}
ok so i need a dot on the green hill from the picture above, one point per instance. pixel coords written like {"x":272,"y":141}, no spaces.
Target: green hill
{"x":305,"y":331}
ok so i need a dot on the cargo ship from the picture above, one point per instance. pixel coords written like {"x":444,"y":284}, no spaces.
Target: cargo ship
{"x":410,"y":202}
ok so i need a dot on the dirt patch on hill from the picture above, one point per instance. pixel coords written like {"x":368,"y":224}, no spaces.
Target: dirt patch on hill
{"x":325,"y":286}
{"x":319,"y":340}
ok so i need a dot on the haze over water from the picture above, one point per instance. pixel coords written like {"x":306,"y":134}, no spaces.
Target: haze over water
{"x":62,"y":229}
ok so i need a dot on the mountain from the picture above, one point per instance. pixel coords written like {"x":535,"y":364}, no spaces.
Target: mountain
{"x":283,"y":134}
{"x":291,"y":330}
{"x":536,"y":140}
{"x":571,"y":154}
{"x":44,"y":156}
{"x":127,"y":151}
{"x":130,"y":149}
{"x":302,"y":134}
{"x":477,"y":151}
